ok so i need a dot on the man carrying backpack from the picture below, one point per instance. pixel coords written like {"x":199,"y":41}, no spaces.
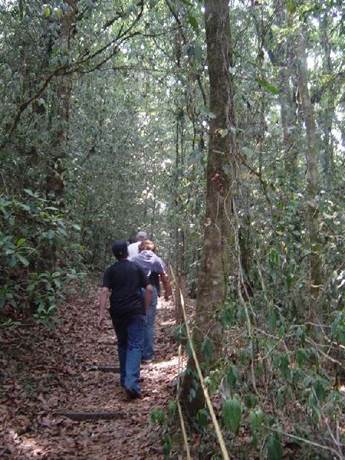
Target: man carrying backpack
{"x":154,"y":268}
{"x":124,"y":282}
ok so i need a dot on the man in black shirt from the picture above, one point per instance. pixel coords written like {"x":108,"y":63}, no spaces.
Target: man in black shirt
{"x":125,"y":281}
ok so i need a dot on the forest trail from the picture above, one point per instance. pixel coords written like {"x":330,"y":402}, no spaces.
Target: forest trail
{"x":45,"y":372}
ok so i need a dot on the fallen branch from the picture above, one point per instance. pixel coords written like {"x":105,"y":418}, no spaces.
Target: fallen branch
{"x":306,"y":441}
{"x":102,"y":368}
{"x":90,"y":416}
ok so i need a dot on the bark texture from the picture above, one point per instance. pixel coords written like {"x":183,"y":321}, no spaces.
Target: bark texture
{"x":328,"y":105}
{"x":282,"y":56}
{"x":61,"y":96}
{"x":219,"y":227}
{"x":313,"y":174}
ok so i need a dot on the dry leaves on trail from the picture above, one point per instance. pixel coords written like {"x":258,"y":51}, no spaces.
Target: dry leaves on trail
{"x":45,"y":372}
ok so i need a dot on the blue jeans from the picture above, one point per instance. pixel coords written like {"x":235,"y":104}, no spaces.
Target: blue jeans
{"x":149,"y":331}
{"x":130,"y":341}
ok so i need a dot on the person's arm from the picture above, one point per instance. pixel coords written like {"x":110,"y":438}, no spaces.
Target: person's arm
{"x":144,"y":283}
{"x":103,"y":299}
{"x":166,"y":285}
{"x":163,"y":277}
{"x":148,"y":296}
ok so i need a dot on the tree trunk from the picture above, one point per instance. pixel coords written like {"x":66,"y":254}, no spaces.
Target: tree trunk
{"x":61,"y":96}
{"x":178,"y":222}
{"x":327,"y":103}
{"x":282,"y":56}
{"x":313,"y":176}
{"x":218,"y":225}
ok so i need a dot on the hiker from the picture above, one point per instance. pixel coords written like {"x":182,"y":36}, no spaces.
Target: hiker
{"x":133,"y":249}
{"x":154,"y":268}
{"x":125,"y":281}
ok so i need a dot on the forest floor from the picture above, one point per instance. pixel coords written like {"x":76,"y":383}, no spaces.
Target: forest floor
{"x":46,"y":373}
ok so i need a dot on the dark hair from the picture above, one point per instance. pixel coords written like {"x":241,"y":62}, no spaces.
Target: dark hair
{"x":119,"y":249}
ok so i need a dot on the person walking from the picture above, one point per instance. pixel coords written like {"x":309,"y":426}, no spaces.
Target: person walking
{"x":125,"y":281}
{"x":154,"y":268}
{"x":133,"y":248}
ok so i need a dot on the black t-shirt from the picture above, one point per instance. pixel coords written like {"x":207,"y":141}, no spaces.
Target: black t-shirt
{"x":125,"y":279}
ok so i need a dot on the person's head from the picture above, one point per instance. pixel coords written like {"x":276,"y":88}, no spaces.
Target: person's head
{"x":147,"y":245}
{"x":119,"y":249}
{"x":141,"y":236}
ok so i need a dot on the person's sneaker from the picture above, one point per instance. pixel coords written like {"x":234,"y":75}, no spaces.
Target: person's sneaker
{"x":146,"y":361}
{"x":132,"y":394}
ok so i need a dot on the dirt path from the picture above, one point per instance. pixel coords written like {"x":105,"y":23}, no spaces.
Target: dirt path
{"x":45,"y":372}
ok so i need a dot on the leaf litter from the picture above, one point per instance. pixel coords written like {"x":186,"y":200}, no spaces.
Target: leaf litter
{"x":46,"y":372}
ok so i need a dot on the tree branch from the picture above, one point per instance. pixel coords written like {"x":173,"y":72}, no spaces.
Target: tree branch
{"x":68,"y":69}
{"x":26,"y":104}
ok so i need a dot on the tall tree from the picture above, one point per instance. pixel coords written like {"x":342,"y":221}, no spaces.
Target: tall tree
{"x":328,"y":102}
{"x":313,"y":175}
{"x":221,"y":183}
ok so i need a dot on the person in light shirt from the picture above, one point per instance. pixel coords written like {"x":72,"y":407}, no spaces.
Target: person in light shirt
{"x":133,"y":249}
{"x":154,"y":269}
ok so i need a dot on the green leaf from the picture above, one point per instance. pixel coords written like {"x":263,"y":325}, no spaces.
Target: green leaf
{"x":320,"y":389}
{"x":192,"y":394}
{"x":291,"y":6}
{"x":172,"y":407}
{"x":202,"y":417}
{"x":282,"y":362}
{"x":273,"y":318}
{"x":47,"y":11}
{"x":228,"y":316}
{"x":256,"y":419}
{"x":23,"y":260}
{"x":13,"y":261}
{"x":232,"y":412}
{"x":207,"y":348}
{"x":193,"y":22}
{"x":30,"y":192}
{"x":301,"y":357}
{"x":274,"y":447}
{"x":25,"y":207}
{"x":300,"y":333}
{"x":180,"y":333}
{"x":232,"y":376}
{"x":58,"y":12}
{"x":274,"y":257}
{"x":157,"y":416}
{"x":50,"y":234}
{"x":167,"y":444}
{"x":314,"y":406}
{"x":267,"y":86}
{"x":338,"y":328}
{"x":20,"y":242}
{"x":250,"y":400}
